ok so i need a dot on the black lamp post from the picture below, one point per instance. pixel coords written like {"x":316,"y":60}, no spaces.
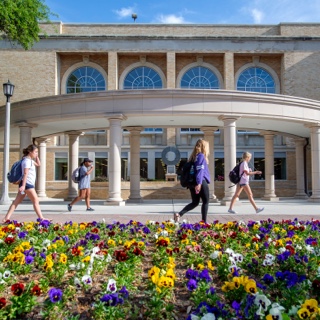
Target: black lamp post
{"x":8,"y":92}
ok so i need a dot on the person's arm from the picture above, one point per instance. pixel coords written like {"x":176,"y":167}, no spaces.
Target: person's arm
{"x":249,"y":172}
{"x":199,"y":167}
{"x":25,"y":170}
{"x":37,"y":162}
{"x":89,"y":170}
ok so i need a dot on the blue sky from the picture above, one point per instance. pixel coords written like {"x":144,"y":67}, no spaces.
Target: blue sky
{"x":186,"y":11}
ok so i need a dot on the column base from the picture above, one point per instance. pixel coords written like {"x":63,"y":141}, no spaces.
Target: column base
{"x":114,"y":203}
{"x":269,"y":198}
{"x":214,"y":199}
{"x":300,"y":196}
{"x":134,"y":200}
{"x":314,"y":199}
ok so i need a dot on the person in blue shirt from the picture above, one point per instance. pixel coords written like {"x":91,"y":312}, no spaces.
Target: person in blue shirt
{"x":84,"y":184}
{"x":199,"y":156}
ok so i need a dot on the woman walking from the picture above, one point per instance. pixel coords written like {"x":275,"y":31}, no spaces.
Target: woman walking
{"x":29,"y":163}
{"x":84,"y":184}
{"x":199,"y":156}
{"x":245,"y":173}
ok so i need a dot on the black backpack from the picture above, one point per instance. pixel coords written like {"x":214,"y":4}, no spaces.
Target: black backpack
{"x":234,"y":175}
{"x":187,"y":178}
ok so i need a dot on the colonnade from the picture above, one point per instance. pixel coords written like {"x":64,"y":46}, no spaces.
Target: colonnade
{"x":229,"y":136}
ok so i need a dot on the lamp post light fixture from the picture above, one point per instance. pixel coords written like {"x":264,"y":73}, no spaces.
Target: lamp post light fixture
{"x":8,"y":92}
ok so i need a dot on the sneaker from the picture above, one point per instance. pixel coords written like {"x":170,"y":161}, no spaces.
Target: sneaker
{"x":90,"y":209}
{"x":232,"y":211}
{"x":259,"y":210}
{"x":69,"y":207}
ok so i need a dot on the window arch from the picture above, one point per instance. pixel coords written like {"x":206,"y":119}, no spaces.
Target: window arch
{"x":85,"y":79}
{"x":259,"y":78}
{"x":199,"y":77}
{"x":142,"y":77}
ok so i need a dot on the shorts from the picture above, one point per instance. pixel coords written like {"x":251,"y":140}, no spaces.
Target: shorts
{"x":28,"y":186}
{"x":243,"y":184}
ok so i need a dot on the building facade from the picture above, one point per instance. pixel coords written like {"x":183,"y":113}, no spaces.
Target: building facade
{"x":122,"y":94}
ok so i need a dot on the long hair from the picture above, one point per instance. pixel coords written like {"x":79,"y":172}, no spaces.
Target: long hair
{"x":201,"y":146}
{"x":29,"y":149}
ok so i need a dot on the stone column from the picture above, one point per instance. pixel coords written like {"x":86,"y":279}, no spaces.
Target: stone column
{"x":269,"y":167}
{"x":25,"y":134}
{"x":300,"y":174}
{"x":151,"y":164}
{"x":41,"y":179}
{"x":113,"y":70}
{"x":209,"y":136}
{"x":178,"y":136}
{"x":115,"y":160}
{"x":230,"y":155}
{"x":73,"y":162}
{"x":135,"y":195}
{"x":228,"y":68}
{"x":315,"y":163}
{"x":171,"y":70}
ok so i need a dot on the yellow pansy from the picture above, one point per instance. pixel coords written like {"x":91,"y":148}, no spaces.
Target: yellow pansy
{"x":29,"y":227}
{"x":2,"y":234}
{"x":200,"y":266}
{"x":111,"y":242}
{"x":248,"y":245}
{"x":165,"y":282}
{"x":170,"y":274}
{"x":251,"y":286}
{"x":218,"y":246}
{"x":153,"y":271}
{"x":311,"y":305}
{"x":60,"y":243}
{"x":63,"y":258}
{"x":303,"y":313}
{"x":276,"y":229}
{"x":210,"y":266}
{"x":171,"y":264}
{"x":86,"y":259}
{"x":141,"y":244}
{"x":185,"y":241}
{"x":52,"y":246}
{"x":18,"y":249}
{"x":48,"y":264}
{"x":228,"y":286}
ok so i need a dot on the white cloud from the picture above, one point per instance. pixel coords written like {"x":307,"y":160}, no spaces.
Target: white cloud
{"x":257,"y":15}
{"x":171,"y":19}
{"x":125,"y":12}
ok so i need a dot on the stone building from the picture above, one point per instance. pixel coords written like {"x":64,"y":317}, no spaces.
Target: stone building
{"x":135,"y":98}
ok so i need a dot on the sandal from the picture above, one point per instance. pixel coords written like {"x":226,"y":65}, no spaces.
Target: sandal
{"x":176,"y":217}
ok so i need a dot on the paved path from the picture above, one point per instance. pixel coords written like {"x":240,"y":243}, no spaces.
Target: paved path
{"x":161,"y":210}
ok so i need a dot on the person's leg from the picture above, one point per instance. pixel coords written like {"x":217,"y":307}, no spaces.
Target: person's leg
{"x":82,"y":195}
{"x":31,"y":193}
{"x":204,"y":195}
{"x":88,"y":193}
{"x":235,"y":196}
{"x":19,"y":198}
{"x":195,"y":202}
{"x":248,"y":191}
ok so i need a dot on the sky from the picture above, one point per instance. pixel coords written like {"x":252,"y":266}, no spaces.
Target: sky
{"x":186,"y":11}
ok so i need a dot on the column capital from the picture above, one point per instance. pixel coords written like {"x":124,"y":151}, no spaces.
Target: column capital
{"x":74,"y":133}
{"x":209,"y":130}
{"x":300,"y":141}
{"x":312,"y":125}
{"x":42,"y":140}
{"x":25,"y":124}
{"x":228,"y":119}
{"x":267,"y":133}
{"x":115,"y":116}
{"x":134,"y":129}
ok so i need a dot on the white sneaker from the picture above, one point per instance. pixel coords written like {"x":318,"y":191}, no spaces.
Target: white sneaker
{"x":232,"y":211}
{"x":259,"y":210}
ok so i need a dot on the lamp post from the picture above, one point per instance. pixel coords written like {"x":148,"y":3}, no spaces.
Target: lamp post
{"x":8,"y":92}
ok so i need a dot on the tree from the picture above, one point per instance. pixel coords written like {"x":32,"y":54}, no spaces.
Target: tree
{"x":19,"y":20}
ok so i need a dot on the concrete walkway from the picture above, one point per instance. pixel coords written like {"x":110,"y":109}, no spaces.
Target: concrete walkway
{"x":161,"y":210}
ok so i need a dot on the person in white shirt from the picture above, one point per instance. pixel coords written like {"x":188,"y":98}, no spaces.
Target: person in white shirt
{"x":29,"y":163}
{"x":245,"y":173}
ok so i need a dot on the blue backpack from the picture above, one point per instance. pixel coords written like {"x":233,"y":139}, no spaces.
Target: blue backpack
{"x":15,"y":175}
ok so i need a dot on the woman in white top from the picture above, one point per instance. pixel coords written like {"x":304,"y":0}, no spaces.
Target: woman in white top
{"x":27,"y":184}
{"x":245,"y":173}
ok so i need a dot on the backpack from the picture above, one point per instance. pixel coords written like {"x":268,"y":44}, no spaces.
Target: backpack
{"x":15,"y":174}
{"x":75,"y":176}
{"x":187,"y":178}
{"x":234,"y":174}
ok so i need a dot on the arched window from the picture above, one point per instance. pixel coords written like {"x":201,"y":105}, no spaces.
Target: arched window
{"x":142,"y":78}
{"x":85,"y":79}
{"x":256,"y":79}
{"x":199,"y":78}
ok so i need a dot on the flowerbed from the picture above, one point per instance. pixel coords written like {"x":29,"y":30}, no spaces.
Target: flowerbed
{"x":255,"y":270}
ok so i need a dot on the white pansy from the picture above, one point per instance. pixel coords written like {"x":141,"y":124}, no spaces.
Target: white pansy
{"x":87,"y":280}
{"x":99,"y":257}
{"x":87,"y":252}
{"x":238,"y":257}
{"x":156,"y":236}
{"x":263,"y":301}
{"x":194,"y":317}
{"x":95,"y":249}
{"x":293,"y":311}
{"x":309,"y":248}
{"x":209,"y":316}
{"x":89,"y":270}
{"x":164,"y":233}
{"x":46,"y":243}
{"x":109,"y":258}
{"x":77,"y":283}
{"x":151,"y":222}
{"x":257,"y":236}
{"x":214,"y":255}
{"x":17,"y":229}
{"x":231,"y":259}
{"x":282,"y":250}
{"x":112,"y":285}
{"x":229,"y":251}
{"x":6,"y":274}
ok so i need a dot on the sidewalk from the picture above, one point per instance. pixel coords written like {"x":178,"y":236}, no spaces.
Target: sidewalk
{"x":161,"y":210}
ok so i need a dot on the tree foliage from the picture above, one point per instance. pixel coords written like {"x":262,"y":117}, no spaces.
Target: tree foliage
{"x":19,"y":20}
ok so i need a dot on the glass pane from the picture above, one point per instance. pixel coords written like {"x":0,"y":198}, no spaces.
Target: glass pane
{"x":142,"y":78}
{"x":199,"y":78}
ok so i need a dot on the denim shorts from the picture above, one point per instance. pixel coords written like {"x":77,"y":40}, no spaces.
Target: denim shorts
{"x":243,"y":184}
{"x":28,"y":186}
